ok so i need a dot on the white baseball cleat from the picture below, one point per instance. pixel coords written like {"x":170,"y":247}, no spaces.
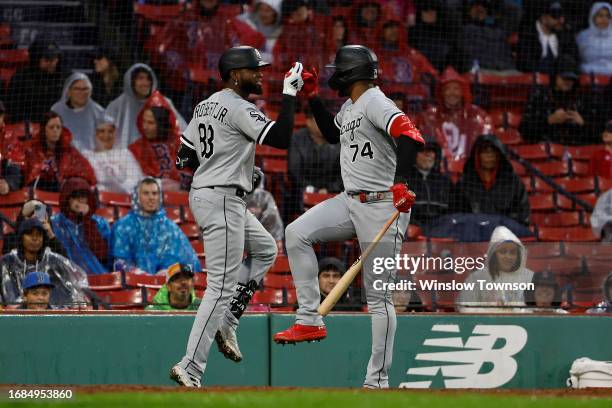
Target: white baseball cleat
{"x":182,"y":377}
{"x":228,"y":344}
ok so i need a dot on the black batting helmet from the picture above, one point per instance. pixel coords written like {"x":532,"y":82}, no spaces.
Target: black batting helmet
{"x":352,"y":63}
{"x":240,"y":57}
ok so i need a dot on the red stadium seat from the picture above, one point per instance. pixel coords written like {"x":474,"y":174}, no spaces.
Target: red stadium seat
{"x":135,"y":280}
{"x":105,"y":281}
{"x":124,"y":299}
{"x":556,"y":151}
{"x":174,"y":213}
{"x":557,"y":265}
{"x":276,"y":281}
{"x":281,"y":265}
{"x":566,"y":234}
{"x":540,"y":186}
{"x":192,"y":231}
{"x":541,"y":202}
{"x":268,"y":297}
{"x":519,"y":169}
{"x":582,"y":153}
{"x":565,"y":203}
{"x":577,"y":185}
{"x":176,"y":198}
{"x":601,"y":251}
{"x":199,"y":280}
{"x":157,"y":13}
{"x":188,"y":215}
{"x":509,"y":137}
{"x":198,"y":246}
{"x":553,"y":169}
{"x":47,"y":197}
{"x":528,"y":183}
{"x":312,"y":199}
{"x":108,"y":198}
{"x":274,"y":165}
{"x":108,"y":213}
{"x":413,"y":232}
{"x":270,"y":152}
{"x":560,"y":219}
{"x":544,"y":249}
{"x":532,"y":152}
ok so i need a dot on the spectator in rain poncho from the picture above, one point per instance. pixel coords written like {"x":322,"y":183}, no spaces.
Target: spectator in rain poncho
{"x":139,"y":82}
{"x":78,"y":111}
{"x":601,"y":219}
{"x":265,"y":17}
{"x":33,"y":254}
{"x":116,"y":169}
{"x":146,"y":240}
{"x":505,"y":263}
{"x":595,"y":43}
{"x":84,"y":235}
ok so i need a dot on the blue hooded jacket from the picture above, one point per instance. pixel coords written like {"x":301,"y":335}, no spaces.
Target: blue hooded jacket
{"x":150,"y":242}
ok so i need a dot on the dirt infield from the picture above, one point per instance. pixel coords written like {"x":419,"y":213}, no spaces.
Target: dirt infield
{"x":118,"y":388}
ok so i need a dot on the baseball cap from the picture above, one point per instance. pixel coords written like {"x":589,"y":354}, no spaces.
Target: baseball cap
{"x":331,"y":263}
{"x":29,"y":225}
{"x":545,"y":278}
{"x":554,"y":9}
{"x":566,"y":67}
{"x":36,"y":279}
{"x":608,"y":127}
{"x":178,"y":269}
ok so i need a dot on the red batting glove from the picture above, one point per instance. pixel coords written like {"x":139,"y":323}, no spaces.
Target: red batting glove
{"x":311,"y":82}
{"x":402,"y":197}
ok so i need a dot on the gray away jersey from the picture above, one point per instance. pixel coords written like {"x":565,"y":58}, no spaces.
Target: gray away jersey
{"x":223,"y":132}
{"x":368,"y":153}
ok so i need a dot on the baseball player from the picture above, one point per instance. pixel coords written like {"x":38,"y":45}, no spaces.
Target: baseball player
{"x":378,"y":147}
{"x":219,"y":145}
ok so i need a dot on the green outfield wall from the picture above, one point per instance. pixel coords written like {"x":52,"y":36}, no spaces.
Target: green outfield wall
{"x":431,"y":350}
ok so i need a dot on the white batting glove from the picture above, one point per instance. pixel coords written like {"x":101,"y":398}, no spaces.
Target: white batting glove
{"x":293,"y":80}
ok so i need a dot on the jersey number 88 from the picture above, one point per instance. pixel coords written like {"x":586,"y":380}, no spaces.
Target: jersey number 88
{"x":207,"y":135}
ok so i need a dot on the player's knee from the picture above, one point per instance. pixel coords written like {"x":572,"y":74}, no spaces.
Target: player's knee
{"x":294,"y":236}
{"x":270,"y":250}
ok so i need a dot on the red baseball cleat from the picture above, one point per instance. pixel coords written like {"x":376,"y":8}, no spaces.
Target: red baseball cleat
{"x":300,"y":332}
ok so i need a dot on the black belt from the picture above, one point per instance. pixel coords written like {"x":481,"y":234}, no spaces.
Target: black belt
{"x":237,"y":191}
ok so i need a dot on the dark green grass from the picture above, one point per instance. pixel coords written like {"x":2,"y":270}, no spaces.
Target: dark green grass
{"x":317,"y":398}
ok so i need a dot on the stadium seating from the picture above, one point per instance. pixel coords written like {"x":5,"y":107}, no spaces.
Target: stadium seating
{"x":106,"y":281}
{"x":136,"y":280}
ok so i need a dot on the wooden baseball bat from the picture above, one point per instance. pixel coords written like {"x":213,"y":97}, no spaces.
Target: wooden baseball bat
{"x":330,"y":301}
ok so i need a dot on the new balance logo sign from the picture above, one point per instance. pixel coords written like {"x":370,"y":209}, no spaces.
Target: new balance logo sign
{"x":485,"y":360}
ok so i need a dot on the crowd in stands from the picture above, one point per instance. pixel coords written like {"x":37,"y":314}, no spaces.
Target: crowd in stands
{"x":112,"y":130}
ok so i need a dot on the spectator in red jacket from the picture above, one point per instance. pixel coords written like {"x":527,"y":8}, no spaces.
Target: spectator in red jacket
{"x":156,"y":148}
{"x":601,"y":161}
{"x":398,"y":62}
{"x":302,"y":37}
{"x":454,"y":121}
{"x":198,"y":38}
{"x":51,"y":158}
{"x":10,"y":173}
{"x":366,"y":26}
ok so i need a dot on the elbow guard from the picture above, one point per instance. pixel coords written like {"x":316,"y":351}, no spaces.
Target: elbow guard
{"x":401,"y":125}
{"x":187,"y":158}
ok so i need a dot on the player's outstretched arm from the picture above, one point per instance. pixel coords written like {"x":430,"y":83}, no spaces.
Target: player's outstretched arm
{"x":279,"y":134}
{"x":324,"y":118}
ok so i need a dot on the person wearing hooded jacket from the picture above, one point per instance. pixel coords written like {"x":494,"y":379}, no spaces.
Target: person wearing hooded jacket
{"x":433,"y":189}
{"x":78,"y":111}
{"x":454,"y":121}
{"x":505,"y":263}
{"x":84,"y":235}
{"x":489,"y":184}
{"x":265,"y":17}
{"x":595,"y":43}
{"x":157,"y":146}
{"x":139,"y":83}
{"x":605,"y":306}
{"x":51,"y":158}
{"x":146,"y":240}
{"x":36,"y":86}
{"x":601,"y":218}
{"x":33,"y":254}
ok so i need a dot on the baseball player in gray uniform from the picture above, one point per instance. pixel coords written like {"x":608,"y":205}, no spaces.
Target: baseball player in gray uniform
{"x":378,"y":147}
{"x":219,"y":144}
